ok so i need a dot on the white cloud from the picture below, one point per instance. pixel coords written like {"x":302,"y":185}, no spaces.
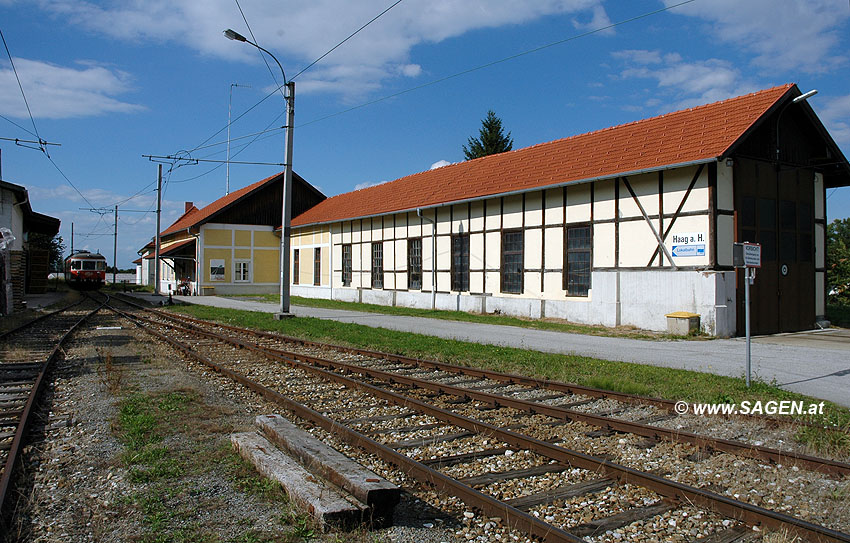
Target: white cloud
{"x":439,"y":164}
{"x":836,"y":117}
{"x":58,"y":92}
{"x":94,"y":231}
{"x":367,"y":184}
{"x":300,"y":31}
{"x":784,"y":34}
{"x":691,"y":83}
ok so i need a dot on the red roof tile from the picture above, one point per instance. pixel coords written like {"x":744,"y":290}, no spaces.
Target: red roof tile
{"x":693,"y":135}
{"x":195,"y":215}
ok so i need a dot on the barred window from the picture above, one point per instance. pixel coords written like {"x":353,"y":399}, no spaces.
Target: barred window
{"x":378,"y":265}
{"x":346,"y":265}
{"x":578,"y":260}
{"x":460,"y":263}
{"x":296,"y":268}
{"x":414,"y":264}
{"x":317,"y":266}
{"x":512,"y":265}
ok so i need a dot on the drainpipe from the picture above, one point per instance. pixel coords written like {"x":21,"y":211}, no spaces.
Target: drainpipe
{"x":433,"y":256}
{"x":197,"y":289}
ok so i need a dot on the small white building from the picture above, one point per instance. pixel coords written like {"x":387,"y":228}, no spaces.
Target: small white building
{"x":22,"y":268}
{"x":616,"y":227}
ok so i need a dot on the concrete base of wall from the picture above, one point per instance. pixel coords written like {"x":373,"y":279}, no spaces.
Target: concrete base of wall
{"x":237,"y":289}
{"x":639,"y":298}
{"x":309,"y":291}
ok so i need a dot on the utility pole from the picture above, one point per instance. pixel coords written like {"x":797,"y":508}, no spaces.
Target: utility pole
{"x":115,"y":248}
{"x":158,"y":211}
{"x":72,"y":238}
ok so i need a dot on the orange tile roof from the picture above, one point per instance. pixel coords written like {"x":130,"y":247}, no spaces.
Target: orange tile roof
{"x":195,"y":215}
{"x":692,"y":135}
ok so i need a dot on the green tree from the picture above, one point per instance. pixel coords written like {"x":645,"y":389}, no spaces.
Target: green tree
{"x":838,"y":261}
{"x":55,"y":246}
{"x":491,"y":139}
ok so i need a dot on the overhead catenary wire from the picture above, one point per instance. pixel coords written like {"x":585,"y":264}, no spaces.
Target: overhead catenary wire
{"x":332,"y":49}
{"x":23,"y":94}
{"x":499,"y":61}
{"x":460,"y":73}
{"x":279,"y":87}
{"x":265,"y":60}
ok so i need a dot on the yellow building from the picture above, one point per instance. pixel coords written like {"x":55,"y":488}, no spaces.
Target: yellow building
{"x":231,"y":246}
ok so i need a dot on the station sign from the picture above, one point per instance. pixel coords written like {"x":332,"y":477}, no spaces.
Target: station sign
{"x":687,"y":244}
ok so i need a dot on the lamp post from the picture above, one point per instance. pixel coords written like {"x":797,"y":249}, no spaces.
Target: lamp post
{"x":286,"y":203}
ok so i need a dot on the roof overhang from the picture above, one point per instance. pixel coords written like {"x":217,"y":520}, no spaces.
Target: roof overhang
{"x":33,"y":222}
{"x":835,"y":169}
{"x":185,"y":246}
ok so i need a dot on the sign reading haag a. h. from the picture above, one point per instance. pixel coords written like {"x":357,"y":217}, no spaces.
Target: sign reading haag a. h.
{"x":687,"y":244}
{"x":687,"y":238}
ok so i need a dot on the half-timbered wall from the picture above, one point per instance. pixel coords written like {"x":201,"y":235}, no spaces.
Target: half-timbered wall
{"x":633,"y":281}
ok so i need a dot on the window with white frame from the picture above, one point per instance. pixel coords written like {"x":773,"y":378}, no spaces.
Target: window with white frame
{"x":242,"y":273}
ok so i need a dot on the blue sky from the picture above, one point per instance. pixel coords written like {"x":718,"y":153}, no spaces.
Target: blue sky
{"x":114,"y":80}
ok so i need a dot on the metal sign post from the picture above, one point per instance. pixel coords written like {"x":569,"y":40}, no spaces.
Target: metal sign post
{"x":748,"y":256}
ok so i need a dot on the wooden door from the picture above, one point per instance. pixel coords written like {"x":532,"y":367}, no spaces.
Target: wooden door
{"x":775,"y":209}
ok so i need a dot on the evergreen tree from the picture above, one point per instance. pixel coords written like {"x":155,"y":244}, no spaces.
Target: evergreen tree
{"x":491,"y":139}
{"x":55,"y":246}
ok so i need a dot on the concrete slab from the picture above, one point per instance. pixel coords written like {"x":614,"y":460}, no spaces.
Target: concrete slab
{"x":40,"y":301}
{"x":815,"y":366}
{"x":380,"y":495}
{"x":324,"y":503}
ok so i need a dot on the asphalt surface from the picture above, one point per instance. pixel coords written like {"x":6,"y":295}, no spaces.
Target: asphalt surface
{"x":814,"y":363}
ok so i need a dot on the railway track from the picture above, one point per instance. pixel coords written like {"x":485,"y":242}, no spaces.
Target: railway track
{"x":509,"y":458}
{"x":27,"y":354}
{"x":609,"y":412}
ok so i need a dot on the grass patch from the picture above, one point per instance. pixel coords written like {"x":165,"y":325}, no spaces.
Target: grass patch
{"x":838,"y":314}
{"x":168,"y":507}
{"x":626,"y":377}
{"x":557,"y":325}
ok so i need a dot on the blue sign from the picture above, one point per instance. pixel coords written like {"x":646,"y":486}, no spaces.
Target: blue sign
{"x":688,"y":250}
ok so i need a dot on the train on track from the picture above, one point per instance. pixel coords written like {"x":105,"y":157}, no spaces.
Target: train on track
{"x":85,"y":270}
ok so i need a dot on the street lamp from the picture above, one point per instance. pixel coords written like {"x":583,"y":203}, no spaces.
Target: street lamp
{"x":286,"y":203}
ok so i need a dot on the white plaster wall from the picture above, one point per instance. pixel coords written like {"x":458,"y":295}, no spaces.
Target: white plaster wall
{"x":647,"y":296}
{"x":725,"y":324}
{"x":554,"y":212}
{"x":725,"y":239}
{"x":307,"y":291}
{"x":725,"y":186}
{"x":12,"y":217}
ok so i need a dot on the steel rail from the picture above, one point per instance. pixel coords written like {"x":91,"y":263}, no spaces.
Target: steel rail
{"x":8,"y":333}
{"x":823,"y":465}
{"x":679,"y":492}
{"x":513,"y":517}
{"x":34,"y":394}
{"x":503,"y":377}
{"x":464,"y":370}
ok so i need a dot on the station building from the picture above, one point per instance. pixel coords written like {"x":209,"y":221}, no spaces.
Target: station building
{"x":616,"y":227}
{"x":231,"y":246}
